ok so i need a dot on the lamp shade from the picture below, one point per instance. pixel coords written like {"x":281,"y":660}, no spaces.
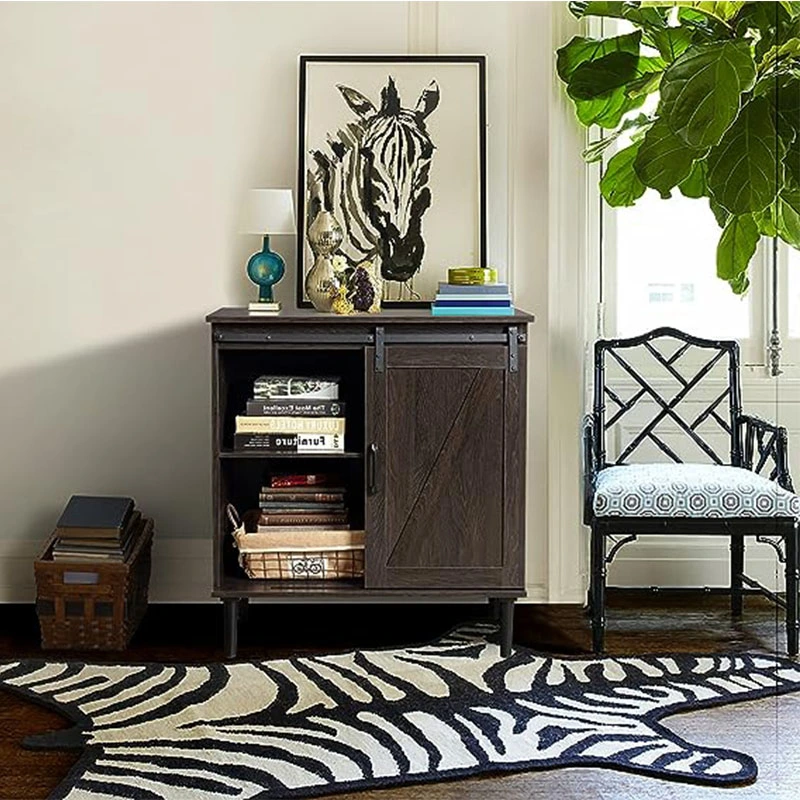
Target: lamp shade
{"x":267,"y":211}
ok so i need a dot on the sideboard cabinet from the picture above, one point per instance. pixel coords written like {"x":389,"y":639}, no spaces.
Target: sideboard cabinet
{"x":434,"y":459}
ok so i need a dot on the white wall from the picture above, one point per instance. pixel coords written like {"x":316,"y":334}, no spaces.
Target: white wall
{"x":128,"y":134}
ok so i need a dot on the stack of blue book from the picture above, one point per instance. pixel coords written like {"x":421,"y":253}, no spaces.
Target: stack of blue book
{"x":484,"y":300}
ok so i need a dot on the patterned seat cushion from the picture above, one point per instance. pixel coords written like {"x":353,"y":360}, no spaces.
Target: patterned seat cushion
{"x":690,"y":490}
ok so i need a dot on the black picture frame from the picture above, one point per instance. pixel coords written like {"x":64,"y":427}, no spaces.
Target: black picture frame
{"x":302,"y":164}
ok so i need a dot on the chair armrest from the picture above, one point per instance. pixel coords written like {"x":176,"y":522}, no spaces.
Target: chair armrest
{"x":591,"y":466}
{"x":765,"y":444}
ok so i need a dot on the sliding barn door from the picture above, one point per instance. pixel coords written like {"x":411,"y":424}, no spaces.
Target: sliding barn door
{"x":445,"y":495}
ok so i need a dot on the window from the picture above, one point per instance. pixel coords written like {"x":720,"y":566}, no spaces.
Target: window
{"x":660,"y":270}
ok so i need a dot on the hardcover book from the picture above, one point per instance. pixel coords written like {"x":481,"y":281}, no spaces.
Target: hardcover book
{"x":298,"y":496}
{"x":93,"y":517}
{"x":295,"y":408}
{"x":290,"y":442}
{"x":290,"y":425}
{"x":298,"y":481}
{"x":288,"y":508}
{"x":303,"y":518}
{"x":295,"y":387}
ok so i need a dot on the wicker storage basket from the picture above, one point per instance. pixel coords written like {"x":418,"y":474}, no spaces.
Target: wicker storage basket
{"x":93,"y":605}
{"x":312,"y":555}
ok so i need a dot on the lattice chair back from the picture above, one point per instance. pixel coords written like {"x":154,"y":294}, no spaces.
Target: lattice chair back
{"x":667,"y":396}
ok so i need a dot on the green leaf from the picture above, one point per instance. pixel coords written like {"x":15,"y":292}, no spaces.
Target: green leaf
{"x":580,"y":50}
{"x":648,"y":18}
{"x":744,"y":169}
{"x":719,"y":10}
{"x":670,"y":42}
{"x":607,"y":111}
{"x":736,"y":247}
{"x":600,"y":76}
{"x":783,"y":93}
{"x":620,"y":185}
{"x":663,"y":160}
{"x":720,"y":214}
{"x":638,"y":124}
{"x":701,"y":90}
{"x":694,"y":184}
{"x":780,"y":53}
{"x":791,"y":7}
{"x":786,"y":212}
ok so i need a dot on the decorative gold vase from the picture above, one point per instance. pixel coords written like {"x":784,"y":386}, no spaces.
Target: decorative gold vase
{"x":324,"y":237}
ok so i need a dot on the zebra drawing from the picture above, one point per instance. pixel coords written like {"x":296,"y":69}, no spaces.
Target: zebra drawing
{"x":374,"y":179}
{"x":307,"y":726}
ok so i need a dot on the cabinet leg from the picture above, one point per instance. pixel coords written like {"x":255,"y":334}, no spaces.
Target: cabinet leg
{"x":598,"y":603}
{"x":231,"y":612}
{"x":506,"y":626}
{"x":737,"y":568}
{"x":494,"y":609}
{"x":792,"y":588}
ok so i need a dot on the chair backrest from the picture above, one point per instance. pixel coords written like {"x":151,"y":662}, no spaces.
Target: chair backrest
{"x":667,"y":393}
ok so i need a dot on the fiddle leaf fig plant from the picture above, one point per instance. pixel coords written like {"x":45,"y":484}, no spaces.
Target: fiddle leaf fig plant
{"x":706,"y":97}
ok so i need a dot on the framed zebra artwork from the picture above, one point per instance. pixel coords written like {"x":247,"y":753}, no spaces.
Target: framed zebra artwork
{"x":395,"y":148}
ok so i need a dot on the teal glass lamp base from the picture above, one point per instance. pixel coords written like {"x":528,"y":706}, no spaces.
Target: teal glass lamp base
{"x":265,"y":269}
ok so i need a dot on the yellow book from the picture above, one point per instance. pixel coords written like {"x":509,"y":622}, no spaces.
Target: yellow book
{"x":290,"y":425}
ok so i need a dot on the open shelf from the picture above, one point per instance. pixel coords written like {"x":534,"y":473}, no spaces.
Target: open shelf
{"x":347,"y":591}
{"x":250,"y":454}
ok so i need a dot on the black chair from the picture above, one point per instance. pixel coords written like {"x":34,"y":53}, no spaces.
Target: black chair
{"x":725,"y":473}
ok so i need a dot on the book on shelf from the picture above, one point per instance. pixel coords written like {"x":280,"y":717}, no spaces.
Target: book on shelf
{"x":487,"y":300}
{"x":294,"y":408}
{"x":267,"y":309}
{"x":303,"y":518}
{"x":331,"y":526}
{"x":441,"y":302}
{"x":297,"y":482}
{"x":289,"y":442}
{"x":300,"y":495}
{"x":288,"y":508}
{"x":467,"y":311}
{"x":93,"y":517}
{"x":295,"y":387}
{"x":290,"y":425}
{"x":483,"y":290}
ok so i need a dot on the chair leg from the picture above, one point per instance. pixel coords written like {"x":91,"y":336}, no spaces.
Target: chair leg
{"x":737,"y":568}
{"x":598,"y":583}
{"x":792,"y":582}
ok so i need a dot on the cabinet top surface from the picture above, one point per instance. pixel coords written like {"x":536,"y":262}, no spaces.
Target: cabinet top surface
{"x":301,"y":316}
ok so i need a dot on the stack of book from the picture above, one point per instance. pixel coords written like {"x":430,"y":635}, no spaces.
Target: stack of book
{"x":301,"y":504}
{"x":484,"y":300}
{"x":292,"y":415}
{"x":264,"y":309}
{"x":97,"y":529}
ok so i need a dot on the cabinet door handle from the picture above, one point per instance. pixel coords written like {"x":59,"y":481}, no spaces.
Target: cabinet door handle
{"x":372,"y":459}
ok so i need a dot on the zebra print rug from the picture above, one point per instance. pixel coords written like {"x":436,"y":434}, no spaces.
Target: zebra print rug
{"x":308,"y":726}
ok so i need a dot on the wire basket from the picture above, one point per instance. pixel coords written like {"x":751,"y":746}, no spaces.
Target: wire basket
{"x":325,"y":555}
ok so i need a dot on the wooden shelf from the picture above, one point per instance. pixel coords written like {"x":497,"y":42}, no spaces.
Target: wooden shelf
{"x":348,"y":591}
{"x":245,"y":454}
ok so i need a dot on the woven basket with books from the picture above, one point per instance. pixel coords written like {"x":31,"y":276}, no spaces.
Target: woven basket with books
{"x":93,"y":574}
{"x":300,"y":554}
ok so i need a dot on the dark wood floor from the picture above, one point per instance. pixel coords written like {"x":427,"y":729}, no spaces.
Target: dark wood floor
{"x":639,"y":622}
